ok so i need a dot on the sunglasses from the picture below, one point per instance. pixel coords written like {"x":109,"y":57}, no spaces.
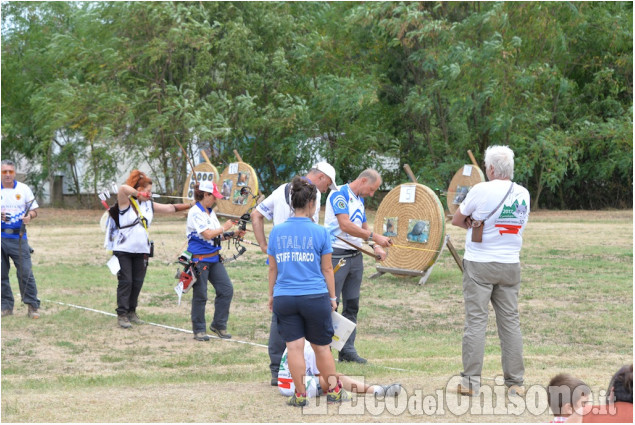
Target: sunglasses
{"x":9,"y":172}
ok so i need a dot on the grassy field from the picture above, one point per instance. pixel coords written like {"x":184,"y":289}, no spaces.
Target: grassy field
{"x":77,"y":365}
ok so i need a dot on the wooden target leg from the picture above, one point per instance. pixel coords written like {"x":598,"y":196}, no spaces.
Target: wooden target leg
{"x":426,"y":275}
{"x":378,"y":274}
{"x":454,"y":253}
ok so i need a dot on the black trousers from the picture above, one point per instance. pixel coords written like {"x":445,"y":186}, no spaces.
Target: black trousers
{"x":130,"y":277}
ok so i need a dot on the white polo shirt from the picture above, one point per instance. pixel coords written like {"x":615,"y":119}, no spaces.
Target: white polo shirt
{"x":276,"y":207}
{"x":344,"y":201}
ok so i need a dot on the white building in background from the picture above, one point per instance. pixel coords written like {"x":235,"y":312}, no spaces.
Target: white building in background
{"x":60,"y":188}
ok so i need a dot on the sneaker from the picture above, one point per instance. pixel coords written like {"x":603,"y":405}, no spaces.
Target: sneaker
{"x":518,"y":390}
{"x":201,"y":336}
{"x":354,"y":358}
{"x":133,"y":318}
{"x":222,"y":333}
{"x":391,"y":390}
{"x":274,"y":381}
{"x":7,"y":312}
{"x":338,"y":395}
{"x":33,"y":313}
{"x":465,"y":391}
{"x":123,"y":321}
{"x":297,"y":400}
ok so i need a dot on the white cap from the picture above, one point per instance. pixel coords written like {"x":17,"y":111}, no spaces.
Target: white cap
{"x":210,"y":187}
{"x":327,"y":169}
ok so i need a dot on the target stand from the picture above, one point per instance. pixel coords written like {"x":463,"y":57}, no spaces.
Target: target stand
{"x":412,"y":216}
{"x":464,"y":179}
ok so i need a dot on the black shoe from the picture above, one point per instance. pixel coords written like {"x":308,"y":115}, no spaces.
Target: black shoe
{"x":354,"y":357}
{"x":274,"y":382}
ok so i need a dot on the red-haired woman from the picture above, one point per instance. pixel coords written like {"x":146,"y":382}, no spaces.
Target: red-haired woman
{"x":132,"y":245}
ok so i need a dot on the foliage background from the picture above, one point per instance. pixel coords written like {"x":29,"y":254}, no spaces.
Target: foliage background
{"x":423,"y":82}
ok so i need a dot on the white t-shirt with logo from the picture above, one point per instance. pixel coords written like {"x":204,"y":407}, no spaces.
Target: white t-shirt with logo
{"x":14,"y":204}
{"x":285,"y":381}
{"x":276,"y":207}
{"x":344,"y":201}
{"x":134,"y":239}
{"x":503,"y":231}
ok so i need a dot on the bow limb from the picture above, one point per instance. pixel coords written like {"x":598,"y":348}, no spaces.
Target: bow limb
{"x":188,"y":159}
{"x":362,"y":250}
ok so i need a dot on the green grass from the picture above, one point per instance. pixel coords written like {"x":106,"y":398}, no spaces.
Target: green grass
{"x":576,"y":307}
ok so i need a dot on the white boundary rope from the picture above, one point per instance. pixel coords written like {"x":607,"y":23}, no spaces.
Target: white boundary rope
{"x":156,"y":324}
{"x":190,"y":332}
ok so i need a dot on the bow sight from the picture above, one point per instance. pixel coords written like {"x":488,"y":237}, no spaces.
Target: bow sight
{"x":242,"y":222}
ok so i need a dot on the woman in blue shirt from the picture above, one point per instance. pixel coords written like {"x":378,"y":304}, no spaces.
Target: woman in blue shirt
{"x":302,"y":291}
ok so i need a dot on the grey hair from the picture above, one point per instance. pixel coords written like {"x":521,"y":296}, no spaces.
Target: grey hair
{"x":8,"y":162}
{"x":501,"y":158}
{"x":370,"y":174}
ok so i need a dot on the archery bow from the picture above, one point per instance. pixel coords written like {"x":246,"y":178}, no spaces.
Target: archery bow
{"x":360,"y":249}
{"x":188,"y":159}
{"x":238,"y":244}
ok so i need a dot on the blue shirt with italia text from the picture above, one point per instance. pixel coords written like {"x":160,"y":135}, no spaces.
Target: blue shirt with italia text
{"x":298,"y":245}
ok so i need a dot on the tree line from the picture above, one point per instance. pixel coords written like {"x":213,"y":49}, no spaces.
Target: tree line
{"x":282,"y":82}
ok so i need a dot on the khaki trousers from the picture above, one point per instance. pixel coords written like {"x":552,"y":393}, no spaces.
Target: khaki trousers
{"x":500,"y":284}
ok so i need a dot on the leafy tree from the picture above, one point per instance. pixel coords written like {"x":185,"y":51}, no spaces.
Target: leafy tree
{"x":101,"y":84}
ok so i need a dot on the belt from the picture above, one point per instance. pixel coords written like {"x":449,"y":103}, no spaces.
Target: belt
{"x":346,"y":253}
{"x":201,"y":256}
{"x":11,"y":231}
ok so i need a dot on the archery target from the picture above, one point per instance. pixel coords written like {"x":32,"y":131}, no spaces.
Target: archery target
{"x":461,"y":183}
{"x":412,"y":216}
{"x":203,"y":172}
{"x":238,"y":184}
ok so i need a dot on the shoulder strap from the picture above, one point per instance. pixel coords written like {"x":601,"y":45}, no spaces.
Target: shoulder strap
{"x":501,"y":202}
{"x":143,"y":220}
{"x":114,"y":212}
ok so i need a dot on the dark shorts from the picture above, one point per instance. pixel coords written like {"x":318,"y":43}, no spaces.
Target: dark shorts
{"x":304,"y":316}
